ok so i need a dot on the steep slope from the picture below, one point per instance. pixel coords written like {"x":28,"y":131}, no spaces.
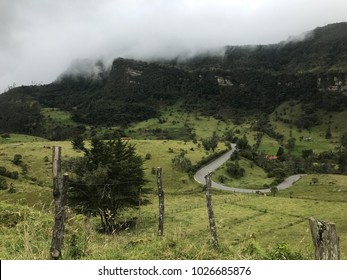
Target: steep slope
{"x":245,"y":80}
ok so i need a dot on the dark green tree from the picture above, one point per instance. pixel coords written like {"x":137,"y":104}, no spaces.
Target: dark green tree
{"x":307,"y":153}
{"x":234,"y":170}
{"x":242,"y":143}
{"x":328,"y":133}
{"x":214,"y":141}
{"x":274,"y":190}
{"x":280,"y":151}
{"x":107,"y":178}
{"x":78,"y":142}
{"x":290,"y":144}
{"x":211,"y":143}
{"x":344,"y":140}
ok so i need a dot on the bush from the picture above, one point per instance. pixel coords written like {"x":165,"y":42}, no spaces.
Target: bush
{"x":10,"y":219}
{"x":234,"y":170}
{"x":274,"y":190}
{"x":148,"y":156}
{"x":76,"y":247}
{"x":222,"y":179}
{"x":17,"y":159}
{"x":182,"y":163}
{"x":3,"y":171}
{"x":235,"y":156}
{"x":14,"y":175}
{"x":3,"y":184}
{"x":282,"y":252}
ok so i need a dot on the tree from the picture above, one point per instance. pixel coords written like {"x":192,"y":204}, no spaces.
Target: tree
{"x":211,"y":143}
{"x":274,"y":190}
{"x":234,"y":170}
{"x":181,"y":163}
{"x":290,"y":144}
{"x":344,"y":140}
{"x":107,"y":178}
{"x":307,"y":153}
{"x":280,"y":151}
{"x":242,"y":143}
{"x":78,"y":142}
{"x":328,"y":133}
{"x":214,"y":141}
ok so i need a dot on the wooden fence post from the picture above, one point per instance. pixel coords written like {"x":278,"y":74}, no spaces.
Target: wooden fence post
{"x":210,"y":210}
{"x":161,"y":202}
{"x":59,"y":194}
{"x":325,"y":240}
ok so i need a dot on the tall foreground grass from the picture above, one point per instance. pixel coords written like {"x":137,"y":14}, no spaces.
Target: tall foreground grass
{"x":248,"y":227}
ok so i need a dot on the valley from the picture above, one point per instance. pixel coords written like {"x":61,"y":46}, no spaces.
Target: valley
{"x":282,"y":107}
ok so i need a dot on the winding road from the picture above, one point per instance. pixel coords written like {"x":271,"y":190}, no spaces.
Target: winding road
{"x":201,"y":173}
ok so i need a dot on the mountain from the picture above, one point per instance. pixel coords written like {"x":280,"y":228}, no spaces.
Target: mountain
{"x":320,"y":50}
{"x":245,"y":80}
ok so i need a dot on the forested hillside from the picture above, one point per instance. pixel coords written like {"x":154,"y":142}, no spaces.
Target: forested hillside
{"x":245,"y":80}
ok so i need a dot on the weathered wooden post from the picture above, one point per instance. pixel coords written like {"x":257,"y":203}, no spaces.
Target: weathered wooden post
{"x":161,"y":202}
{"x":59,"y":194}
{"x":210,"y":210}
{"x":325,"y":240}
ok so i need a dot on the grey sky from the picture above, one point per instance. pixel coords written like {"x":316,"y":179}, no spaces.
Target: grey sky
{"x":40,"y":38}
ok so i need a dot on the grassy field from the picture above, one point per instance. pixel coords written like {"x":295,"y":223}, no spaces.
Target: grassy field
{"x":254,"y":178}
{"x":181,"y":124}
{"x":248,"y":226}
{"x":54,"y":116}
{"x":315,"y":137}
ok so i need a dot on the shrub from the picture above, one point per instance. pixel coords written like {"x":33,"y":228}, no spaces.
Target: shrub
{"x":3,"y":171}
{"x":274,"y":190}
{"x":17,"y":159}
{"x":234,"y":170}
{"x":282,"y":252}
{"x":182,"y":163}
{"x":13,"y":175}
{"x":148,"y":156}
{"x":3,"y":184}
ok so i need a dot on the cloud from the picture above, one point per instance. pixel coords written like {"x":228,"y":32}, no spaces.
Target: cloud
{"x":40,"y":38}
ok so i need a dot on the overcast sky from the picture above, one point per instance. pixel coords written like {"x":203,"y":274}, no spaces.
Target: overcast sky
{"x":39,"y":39}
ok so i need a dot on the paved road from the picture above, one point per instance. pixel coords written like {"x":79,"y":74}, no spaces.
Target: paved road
{"x":201,"y":173}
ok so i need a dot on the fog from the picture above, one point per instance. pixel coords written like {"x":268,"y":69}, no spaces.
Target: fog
{"x":40,"y":39}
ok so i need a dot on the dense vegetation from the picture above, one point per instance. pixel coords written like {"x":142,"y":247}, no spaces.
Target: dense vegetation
{"x":245,"y":80}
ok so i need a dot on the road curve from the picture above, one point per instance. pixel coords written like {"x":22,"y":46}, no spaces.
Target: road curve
{"x":201,"y":173}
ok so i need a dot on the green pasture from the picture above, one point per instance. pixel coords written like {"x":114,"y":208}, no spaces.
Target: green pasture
{"x":254,"y":178}
{"x":313,"y":138}
{"x":180,"y":124}
{"x":244,"y":222}
{"x":55,"y":116}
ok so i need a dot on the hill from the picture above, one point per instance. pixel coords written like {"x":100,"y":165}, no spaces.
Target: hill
{"x":320,"y":50}
{"x":245,"y":80}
